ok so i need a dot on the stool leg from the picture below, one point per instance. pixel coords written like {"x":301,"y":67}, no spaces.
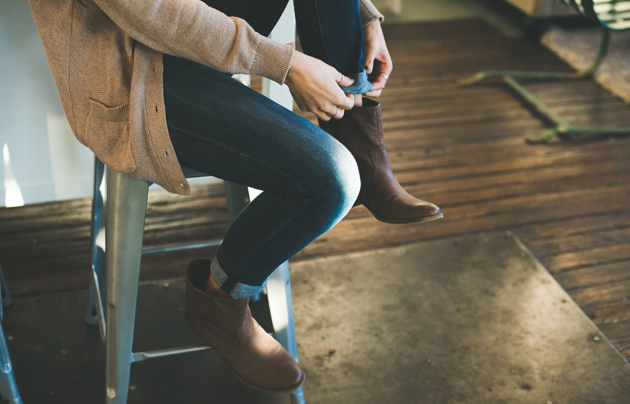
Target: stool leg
{"x":125,"y":213}
{"x":6,"y":296}
{"x":8,"y":388}
{"x":95,"y":313}
{"x":237,"y":198}
{"x":281,"y":308}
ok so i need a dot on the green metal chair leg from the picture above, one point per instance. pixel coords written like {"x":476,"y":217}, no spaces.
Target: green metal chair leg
{"x":589,"y":71}
{"x":559,"y":125}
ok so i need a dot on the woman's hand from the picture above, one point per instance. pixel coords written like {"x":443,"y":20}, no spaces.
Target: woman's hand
{"x":315,"y":88}
{"x":376,"y":59}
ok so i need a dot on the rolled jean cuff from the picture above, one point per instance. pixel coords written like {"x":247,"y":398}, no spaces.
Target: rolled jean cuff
{"x":231,"y":286}
{"x":361,"y":84}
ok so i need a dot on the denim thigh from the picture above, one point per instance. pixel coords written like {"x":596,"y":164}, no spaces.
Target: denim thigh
{"x":310,"y":180}
{"x":332,"y":31}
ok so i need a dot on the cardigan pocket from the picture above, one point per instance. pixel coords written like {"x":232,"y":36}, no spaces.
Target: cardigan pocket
{"x":107,"y":134}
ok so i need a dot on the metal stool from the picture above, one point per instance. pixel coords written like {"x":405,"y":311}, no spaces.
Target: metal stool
{"x":124,"y":223}
{"x":8,"y":388}
{"x":613,"y":15}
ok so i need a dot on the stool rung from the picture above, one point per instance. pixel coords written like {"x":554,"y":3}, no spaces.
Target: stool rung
{"x":214,"y":243}
{"x":141,"y":356}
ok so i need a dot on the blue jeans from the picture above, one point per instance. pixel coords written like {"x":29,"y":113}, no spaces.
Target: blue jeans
{"x":224,"y":129}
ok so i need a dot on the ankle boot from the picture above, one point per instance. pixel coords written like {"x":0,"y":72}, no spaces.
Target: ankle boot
{"x":361,"y":131}
{"x":255,"y":357}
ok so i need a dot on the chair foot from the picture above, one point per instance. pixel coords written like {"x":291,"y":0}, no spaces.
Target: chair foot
{"x":91,"y":320}
{"x":8,"y":388}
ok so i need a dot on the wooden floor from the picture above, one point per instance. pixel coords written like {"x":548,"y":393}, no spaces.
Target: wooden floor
{"x":461,"y":148}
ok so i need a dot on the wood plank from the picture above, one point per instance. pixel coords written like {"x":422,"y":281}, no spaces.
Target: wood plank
{"x":609,"y":292}
{"x":619,"y":332}
{"x":593,"y":257}
{"x":598,"y":275}
{"x":610,"y":312}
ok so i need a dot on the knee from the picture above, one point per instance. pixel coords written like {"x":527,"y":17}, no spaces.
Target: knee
{"x":349,"y":182}
{"x":340,"y":183}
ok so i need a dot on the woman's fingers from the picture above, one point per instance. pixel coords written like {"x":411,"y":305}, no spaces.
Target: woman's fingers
{"x":369,"y":56}
{"x":383,"y":63}
{"x":345,"y":81}
{"x":322,"y":116}
{"x":377,"y":87}
{"x":315,"y":87}
{"x":379,"y":83}
{"x":329,"y":111}
{"x":345,"y":102}
{"x":377,"y":60}
{"x":334,"y":113}
{"x":338,"y":114}
{"x":374,"y":93}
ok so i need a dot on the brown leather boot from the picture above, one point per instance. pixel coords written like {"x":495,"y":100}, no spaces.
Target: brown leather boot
{"x":361,"y":131}
{"x":255,"y":357}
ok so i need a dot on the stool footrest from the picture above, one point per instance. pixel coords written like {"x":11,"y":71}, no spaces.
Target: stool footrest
{"x":141,"y":356}
{"x":180,"y":247}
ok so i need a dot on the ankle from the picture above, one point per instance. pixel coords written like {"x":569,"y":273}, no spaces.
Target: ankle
{"x":213,"y":289}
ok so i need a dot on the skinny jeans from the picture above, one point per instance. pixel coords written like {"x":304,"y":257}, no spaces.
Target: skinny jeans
{"x":225,"y":129}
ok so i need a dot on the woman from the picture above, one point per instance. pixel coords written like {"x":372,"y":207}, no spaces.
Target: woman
{"x":144,"y":85}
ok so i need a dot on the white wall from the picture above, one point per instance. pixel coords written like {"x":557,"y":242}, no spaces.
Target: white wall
{"x":41,"y":160}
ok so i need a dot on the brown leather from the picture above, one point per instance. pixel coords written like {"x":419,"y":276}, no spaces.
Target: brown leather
{"x":255,"y":357}
{"x":361,"y":131}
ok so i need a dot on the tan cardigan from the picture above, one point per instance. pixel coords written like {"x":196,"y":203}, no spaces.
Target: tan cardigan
{"x":106,"y":57}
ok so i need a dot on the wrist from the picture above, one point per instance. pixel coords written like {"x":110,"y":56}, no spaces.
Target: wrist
{"x":375,"y":23}
{"x":288,"y":73}
{"x":288,"y":79}
{"x":293,"y":68}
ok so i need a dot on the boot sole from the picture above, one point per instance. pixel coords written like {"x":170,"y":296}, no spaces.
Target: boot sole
{"x":272,"y":391}
{"x":403,"y":221}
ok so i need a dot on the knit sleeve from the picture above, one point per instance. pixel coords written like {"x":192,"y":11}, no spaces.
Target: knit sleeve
{"x":369,"y":13}
{"x":190,"y":29}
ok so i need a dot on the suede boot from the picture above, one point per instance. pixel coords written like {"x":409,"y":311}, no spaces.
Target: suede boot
{"x":255,"y":357}
{"x":361,"y":131}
